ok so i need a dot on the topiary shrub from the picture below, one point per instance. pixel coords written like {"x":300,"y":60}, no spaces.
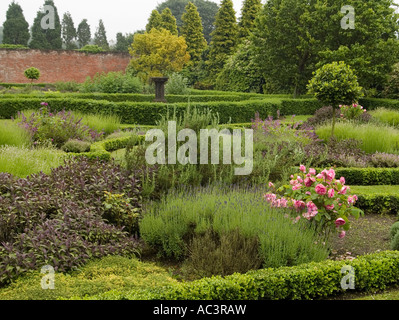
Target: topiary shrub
{"x":335,"y":84}
{"x":76,"y":146}
{"x":32,"y":74}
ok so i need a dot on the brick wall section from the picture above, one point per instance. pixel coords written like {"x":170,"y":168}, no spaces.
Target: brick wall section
{"x":63,"y":65}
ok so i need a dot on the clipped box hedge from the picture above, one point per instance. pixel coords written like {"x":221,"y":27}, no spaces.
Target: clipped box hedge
{"x":369,"y":176}
{"x":304,"y":282}
{"x":102,"y":149}
{"x":144,"y":113}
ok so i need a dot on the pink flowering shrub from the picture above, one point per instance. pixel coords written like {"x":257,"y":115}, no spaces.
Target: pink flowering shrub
{"x":351,"y":112}
{"x":320,"y":198}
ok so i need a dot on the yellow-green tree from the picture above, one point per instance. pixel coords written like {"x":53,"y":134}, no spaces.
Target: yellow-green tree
{"x":169,"y":21}
{"x":154,"y":21}
{"x":193,"y":32}
{"x":158,"y":53}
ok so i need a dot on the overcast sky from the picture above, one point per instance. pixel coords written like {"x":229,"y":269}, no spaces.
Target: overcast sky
{"x":118,"y":15}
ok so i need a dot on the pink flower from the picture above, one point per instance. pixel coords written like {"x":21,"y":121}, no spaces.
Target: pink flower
{"x":308,"y":193}
{"x":302,"y":168}
{"x":342,"y":180}
{"x":329,"y":174}
{"x":293,"y":182}
{"x":312,"y":171}
{"x":299,"y":205}
{"x":309,"y":181}
{"x":321,"y":189}
{"x":320,"y":176}
{"x":352,"y":199}
{"x":330,"y":207}
{"x":331,"y":193}
{"x":271,"y":185}
{"x":297,"y":186}
{"x":343,"y":190}
{"x":299,"y":179}
{"x":339,"y":222}
{"x":342,"y":234}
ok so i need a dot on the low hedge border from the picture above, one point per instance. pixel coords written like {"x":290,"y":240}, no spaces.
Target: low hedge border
{"x":102,"y":149}
{"x":315,"y":280}
{"x":381,"y":203}
{"x":369,"y":176}
{"x":144,"y":113}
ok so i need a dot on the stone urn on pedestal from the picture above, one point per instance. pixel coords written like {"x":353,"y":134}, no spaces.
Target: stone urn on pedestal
{"x":159,"y":88}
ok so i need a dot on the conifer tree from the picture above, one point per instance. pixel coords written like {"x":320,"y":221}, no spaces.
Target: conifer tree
{"x":249,"y":12}
{"x":100,"y":36}
{"x":68,"y":31}
{"x":224,"y":38}
{"x":15,"y":28}
{"x":155,"y":21}
{"x":193,"y":32}
{"x":169,"y":21}
{"x":83,"y":33}
{"x":46,"y":29}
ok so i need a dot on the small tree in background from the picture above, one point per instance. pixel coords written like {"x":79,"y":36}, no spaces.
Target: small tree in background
{"x":83,"y":33}
{"x":16,"y":28}
{"x":100,"y":36}
{"x":335,"y":84}
{"x":32,"y":74}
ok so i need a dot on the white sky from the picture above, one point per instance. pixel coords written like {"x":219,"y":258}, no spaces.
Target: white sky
{"x":118,"y":15}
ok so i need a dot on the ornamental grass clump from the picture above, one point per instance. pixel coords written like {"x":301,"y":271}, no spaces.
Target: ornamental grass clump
{"x":319,"y":198}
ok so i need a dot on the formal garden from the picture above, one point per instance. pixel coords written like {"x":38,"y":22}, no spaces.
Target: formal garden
{"x":94,"y":205}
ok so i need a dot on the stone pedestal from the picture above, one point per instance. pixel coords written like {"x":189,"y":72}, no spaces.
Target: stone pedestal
{"x":159,"y":88}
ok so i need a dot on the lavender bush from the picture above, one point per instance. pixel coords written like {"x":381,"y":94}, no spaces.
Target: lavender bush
{"x":45,"y":126}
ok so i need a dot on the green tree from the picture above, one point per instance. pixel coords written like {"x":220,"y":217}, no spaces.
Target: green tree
{"x":46,"y":29}
{"x":15,"y":27}
{"x":295,"y":37}
{"x":249,"y":12}
{"x":123,"y":42}
{"x":83,"y":33}
{"x":169,"y":21}
{"x":240,"y":72}
{"x":1,"y":35}
{"x":224,"y":38}
{"x":158,"y":53}
{"x":100,"y":36}
{"x":32,"y":74}
{"x":193,"y":33}
{"x":154,"y":21}
{"x":68,"y":32}
{"x":335,"y":84}
{"x":206,"y":9}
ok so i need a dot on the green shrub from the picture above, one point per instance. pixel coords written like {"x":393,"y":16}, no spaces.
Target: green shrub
{"x":112,"y":82}
{"x":77,"y":146}
{"x":395,"y":242}
{"x":32,"y":73}
{"x":393,"y":231}
{"x":386,"y":116}
{"x":177,"y":85}
{"x":369,"y":176}
{"x":67,"y":86}
{"x":305,"y":282}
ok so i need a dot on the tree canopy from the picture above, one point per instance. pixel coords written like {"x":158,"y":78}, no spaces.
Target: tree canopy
{"x":15,"y":27}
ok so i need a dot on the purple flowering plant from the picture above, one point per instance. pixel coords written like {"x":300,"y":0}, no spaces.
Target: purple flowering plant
{"x":56,"y":128}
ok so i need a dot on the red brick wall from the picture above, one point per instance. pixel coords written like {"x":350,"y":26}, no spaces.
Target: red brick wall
{"x":58,"y":65}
